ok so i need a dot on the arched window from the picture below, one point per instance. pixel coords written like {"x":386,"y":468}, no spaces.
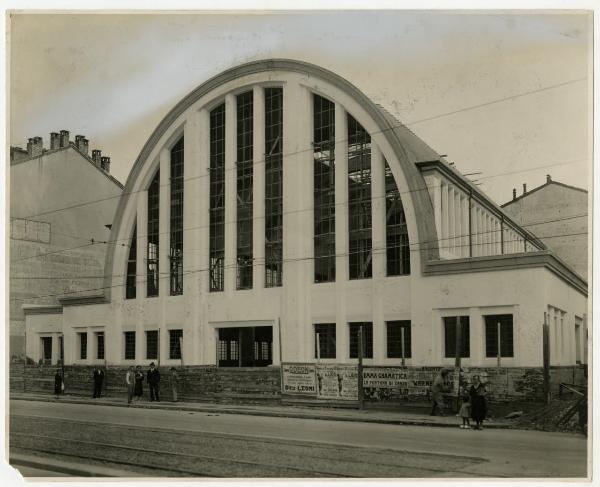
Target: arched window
{"x":217,"y":199}
{"x":130,"y":286}
{"x":152,"y":279}
{"x":176,"y":227}
{"x":397,"y":243}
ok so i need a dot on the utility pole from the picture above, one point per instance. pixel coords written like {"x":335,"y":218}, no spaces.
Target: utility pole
{"x":402,"y":346}
{"x":499,"y":347}
{"x":181,"y":350}
{"x":546,"y":351}
{"x":360,"y":367}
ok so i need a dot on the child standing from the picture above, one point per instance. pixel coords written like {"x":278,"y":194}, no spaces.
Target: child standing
{"x":465,"y":409}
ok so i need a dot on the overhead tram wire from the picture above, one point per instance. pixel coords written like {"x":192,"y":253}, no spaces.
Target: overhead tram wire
{"x":204,"y":227}
{"x":167,"y":275}
{"x":311,"y":149}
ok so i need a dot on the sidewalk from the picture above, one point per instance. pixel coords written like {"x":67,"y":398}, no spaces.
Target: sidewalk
{"x":396,"y":416}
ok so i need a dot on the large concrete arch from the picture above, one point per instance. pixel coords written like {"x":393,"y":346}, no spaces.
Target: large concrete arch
{"x":407,"y":147}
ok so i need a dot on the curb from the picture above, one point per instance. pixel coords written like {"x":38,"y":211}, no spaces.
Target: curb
{"x":17,"y":460}
{"x":276,"y":414}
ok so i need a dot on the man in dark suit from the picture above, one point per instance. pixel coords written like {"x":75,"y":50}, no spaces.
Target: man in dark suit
{"x":153,"y":382}
{"x":98,"y":380}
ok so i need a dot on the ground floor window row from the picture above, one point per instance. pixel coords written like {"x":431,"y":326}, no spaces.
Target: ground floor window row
{"x":498,"y":336}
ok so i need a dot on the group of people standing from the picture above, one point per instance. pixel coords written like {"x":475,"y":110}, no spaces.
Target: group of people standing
{"x":134,"y":380}
{"x":473,"y":400}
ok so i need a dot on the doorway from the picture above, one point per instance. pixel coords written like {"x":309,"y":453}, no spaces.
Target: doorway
{"x":248,"y":346}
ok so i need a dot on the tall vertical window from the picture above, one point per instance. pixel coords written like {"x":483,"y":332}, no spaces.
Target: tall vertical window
{"x":324,"y":189}
{"x":450,"y":336}
{"x":245,"y":131}
{"x":130,"y":286}
{"x":175,"y":344}
{"x":325,"y":340}
{"x":217,"y":199}
{"x":152,"y":344}
{"x":82,"y":345}
{"x":367,"y":339}
{"x":273,"y":186}
{"x":153,"y":236}
{"x":176,"y":227}
{"x":359,"y":201}
{"x":46,"y":350}
{"x":394,"y":339}
{"x":129,"y":338}
{"x":100,"y":345}
{"x":397,"y":244}
{"x":505,"y":322}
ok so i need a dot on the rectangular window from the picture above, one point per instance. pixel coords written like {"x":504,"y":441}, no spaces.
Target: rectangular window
{"x":129,"y":337}
{"x":130,"y":288}
{"x":359,"y":201}
{"x":175,"y":344}
{"x":100,"y":345}
{"x":367,"y":330}
{"x":397,"y":244}
{"x":450,"y":336}
{"x":229,"y":347}
{"x":394,"y":339}
{"x":273,"y":186}
{"x":176,"y":227}
{"x":152,"y":344}
{"x":324,"y":189}
{"x":217,"y":199}
{"x":245,"y":132}
{"x":506,"y":335}
{"x":325,"y":340}
{"x":47,"y":350}
{"x":153,"y":236}
{"x":82,"y":345}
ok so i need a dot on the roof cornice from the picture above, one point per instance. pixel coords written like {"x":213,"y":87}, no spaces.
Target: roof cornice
{"x":83,"y":300}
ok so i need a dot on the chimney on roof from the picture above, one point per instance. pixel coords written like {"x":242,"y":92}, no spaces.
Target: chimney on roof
{"x":97,"y":157}
{"x":54,"y":140}
{"x":35,"y":146}
{"x":64,"y":138}
{"x":524,"y":188}
{"x":82,"y":144}
{"x":105,"y":164}
{"x":514,"y":194}
{"x":548,"y":178}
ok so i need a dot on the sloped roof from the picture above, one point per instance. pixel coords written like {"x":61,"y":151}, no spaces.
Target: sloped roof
{"x":546,"y":184}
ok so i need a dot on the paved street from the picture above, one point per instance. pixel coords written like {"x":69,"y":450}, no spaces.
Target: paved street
{"x":276,"y":445}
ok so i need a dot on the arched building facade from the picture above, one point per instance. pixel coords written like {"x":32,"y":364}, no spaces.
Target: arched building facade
{"x":276,"y":210}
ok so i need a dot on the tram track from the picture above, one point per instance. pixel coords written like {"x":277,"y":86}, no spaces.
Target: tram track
{"x":183,"y":454}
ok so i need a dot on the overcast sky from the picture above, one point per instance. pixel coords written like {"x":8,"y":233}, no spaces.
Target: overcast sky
{"x":113,"y":78}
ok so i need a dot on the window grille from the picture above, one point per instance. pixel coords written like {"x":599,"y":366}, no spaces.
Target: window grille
{"x":394,"y":339}
{"x":245,"y":130}
{"x":397,"y":242}
{"x":367,"y":328}
{"x":174,"y":344}
{"x":153,"y":236}
{"x":130,"y":287}
{"x":100,"y":345}
{"x":176,"y":227}
{"x":359,"y":201}
{"x":326,"y":340}
{"x":506,"y":335}
{"x":450,"y":336}
{"x":273,"y":186}
{"x":82,"y":346}
{"x":324,"y":189}
{"x":217,"y":199}
{"x":129,"y":345}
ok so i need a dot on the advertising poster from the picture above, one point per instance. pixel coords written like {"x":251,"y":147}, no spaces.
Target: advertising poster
{"x":336,"y":381}
{"x":299,"y":379}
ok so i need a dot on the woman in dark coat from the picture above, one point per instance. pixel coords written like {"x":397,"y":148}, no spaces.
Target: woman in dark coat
{"x":58,"y":383}
{"x":139,"y":379}
{"x":478,"y":402}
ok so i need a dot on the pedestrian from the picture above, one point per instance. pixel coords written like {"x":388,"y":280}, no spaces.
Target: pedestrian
{"x":477,"y":394}
{"x":138,"y":390}
{"x":438,"y":388}
{"x":174,"y":382}
{"x":154,"y":382}
{"x":465,"y":409}
{"x":98,"y":380}
{"x":129,"y":382}
{"x":59,"y":385}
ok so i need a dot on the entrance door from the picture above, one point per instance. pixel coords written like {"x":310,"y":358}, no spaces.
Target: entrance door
{"x":247,"y":346}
